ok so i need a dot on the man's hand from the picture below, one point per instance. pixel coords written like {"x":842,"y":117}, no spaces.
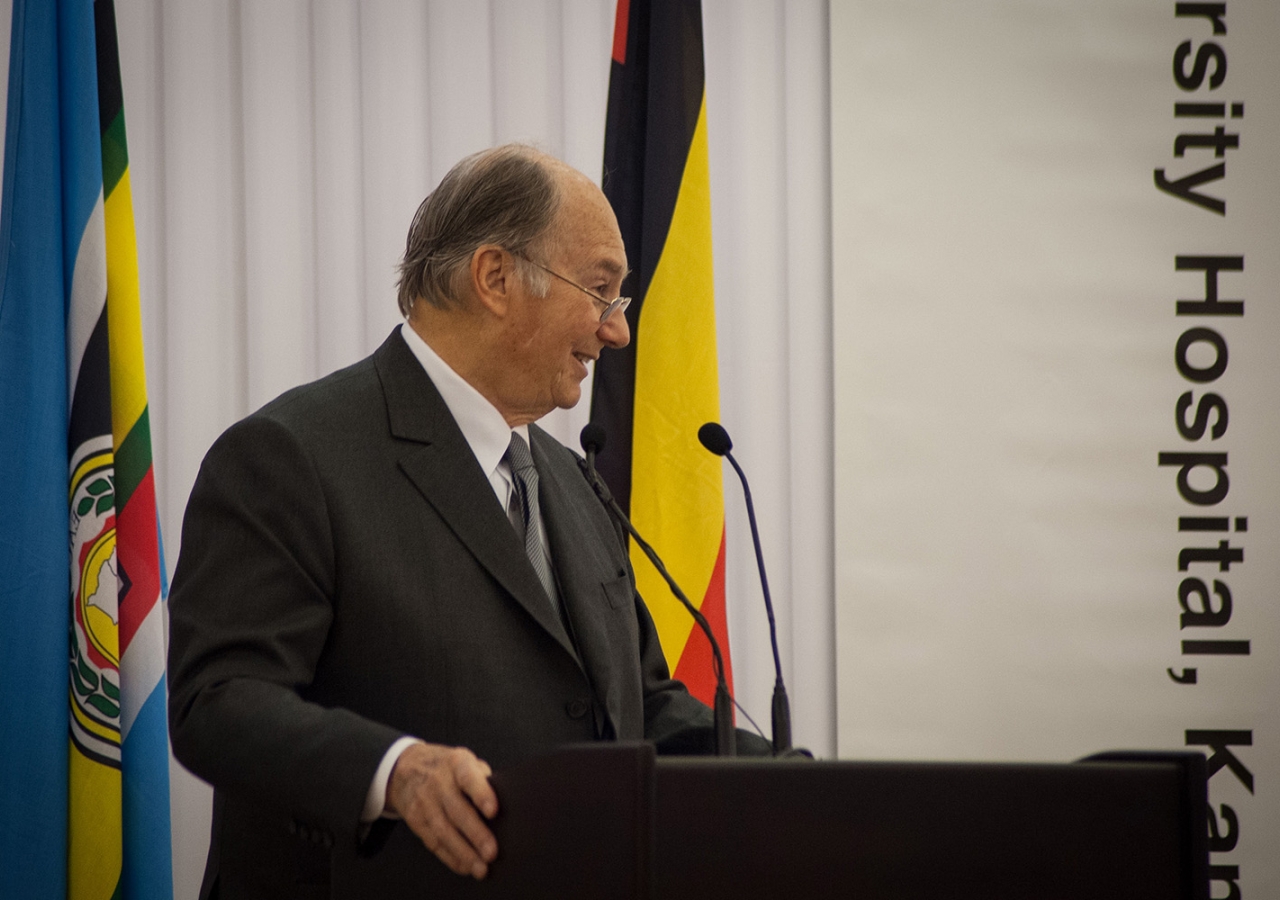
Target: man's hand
{"x":441,"y":792}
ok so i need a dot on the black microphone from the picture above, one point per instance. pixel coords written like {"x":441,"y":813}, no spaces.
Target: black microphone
{"x":716,"y":439}
{"x":592,"y":440}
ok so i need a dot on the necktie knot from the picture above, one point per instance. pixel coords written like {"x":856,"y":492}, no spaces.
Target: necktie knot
{"x":520,"y":459}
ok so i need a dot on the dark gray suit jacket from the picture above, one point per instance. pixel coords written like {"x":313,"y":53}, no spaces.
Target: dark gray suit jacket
{"x":347,"y":577}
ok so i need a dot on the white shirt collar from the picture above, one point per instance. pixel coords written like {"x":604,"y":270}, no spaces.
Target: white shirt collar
{"x":485,"y":429}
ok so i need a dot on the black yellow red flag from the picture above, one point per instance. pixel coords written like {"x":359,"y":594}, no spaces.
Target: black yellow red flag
{"x":652,"y":396}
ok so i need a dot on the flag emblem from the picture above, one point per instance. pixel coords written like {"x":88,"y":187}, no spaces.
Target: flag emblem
{"x":94,"y":640}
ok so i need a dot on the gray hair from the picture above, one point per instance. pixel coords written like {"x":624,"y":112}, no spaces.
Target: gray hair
{"x":506,"y":196}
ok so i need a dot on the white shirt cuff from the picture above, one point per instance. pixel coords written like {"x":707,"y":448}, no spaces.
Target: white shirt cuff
{"x":376,"y":800}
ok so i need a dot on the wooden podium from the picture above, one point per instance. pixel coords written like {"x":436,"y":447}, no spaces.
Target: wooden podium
{"x":610,"y":821}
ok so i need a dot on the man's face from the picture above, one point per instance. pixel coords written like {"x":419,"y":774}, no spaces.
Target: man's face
{"x":553,"y":338}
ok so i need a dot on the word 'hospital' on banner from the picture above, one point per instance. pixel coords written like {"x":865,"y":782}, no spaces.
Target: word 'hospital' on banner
{"x":1207,"y":528}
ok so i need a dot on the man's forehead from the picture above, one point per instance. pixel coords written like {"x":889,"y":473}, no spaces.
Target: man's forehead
{"x":608,"y":260}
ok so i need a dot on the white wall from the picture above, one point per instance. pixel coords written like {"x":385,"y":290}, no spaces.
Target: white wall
{"x":1008,"y":551}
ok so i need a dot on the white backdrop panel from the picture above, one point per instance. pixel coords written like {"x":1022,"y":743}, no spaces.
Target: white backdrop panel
{"x":1006,"y":546}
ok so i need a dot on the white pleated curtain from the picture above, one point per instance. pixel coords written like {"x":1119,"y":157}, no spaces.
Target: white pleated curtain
{"x":279,"y":149}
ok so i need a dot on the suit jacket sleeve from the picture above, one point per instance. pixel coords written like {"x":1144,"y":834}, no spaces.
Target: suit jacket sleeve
{"x":249,"y":616}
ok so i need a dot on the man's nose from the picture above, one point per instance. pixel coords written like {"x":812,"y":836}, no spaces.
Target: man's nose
{"x":614,"y":331}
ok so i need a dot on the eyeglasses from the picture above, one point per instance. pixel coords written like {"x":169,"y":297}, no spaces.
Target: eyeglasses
{"x":618,"y":304}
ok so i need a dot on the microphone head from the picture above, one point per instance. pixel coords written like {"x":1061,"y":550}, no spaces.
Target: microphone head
{"x":592,"y":438}
{"x":715,"y":438}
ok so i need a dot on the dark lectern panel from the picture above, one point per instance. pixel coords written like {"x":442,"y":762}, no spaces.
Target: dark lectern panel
{"x":920,"y":831}
{"x":606,"y":821}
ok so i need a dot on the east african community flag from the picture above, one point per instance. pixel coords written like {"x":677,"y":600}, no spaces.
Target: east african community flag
{"x":84,"y":786}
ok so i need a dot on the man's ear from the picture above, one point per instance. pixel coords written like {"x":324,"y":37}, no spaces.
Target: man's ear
{"x":493,"y":277}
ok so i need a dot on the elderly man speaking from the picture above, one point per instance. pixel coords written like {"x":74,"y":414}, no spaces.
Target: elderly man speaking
{"x":391,"y":579}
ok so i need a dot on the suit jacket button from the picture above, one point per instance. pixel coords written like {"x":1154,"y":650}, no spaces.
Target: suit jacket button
{"x":576,"y":708}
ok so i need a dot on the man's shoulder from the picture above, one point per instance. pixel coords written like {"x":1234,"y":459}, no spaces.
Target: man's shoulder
{"x":328,"y":424}
{"x":347,"y":390}
{"x":313,"y":421}
{"x":355,"y":393}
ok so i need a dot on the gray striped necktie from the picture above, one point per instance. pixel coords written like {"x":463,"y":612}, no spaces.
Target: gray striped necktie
{"x":523,"y":511}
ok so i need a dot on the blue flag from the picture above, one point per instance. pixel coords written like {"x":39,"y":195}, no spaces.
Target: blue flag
{"x":34,"y":547}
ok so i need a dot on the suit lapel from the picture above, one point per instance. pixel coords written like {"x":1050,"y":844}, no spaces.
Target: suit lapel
{"x":582,"y":562}
{"x":440,"y":464}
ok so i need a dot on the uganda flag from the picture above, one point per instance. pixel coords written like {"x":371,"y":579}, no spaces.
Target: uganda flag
{"x":652,"y":396}
{"x":84,"y":739}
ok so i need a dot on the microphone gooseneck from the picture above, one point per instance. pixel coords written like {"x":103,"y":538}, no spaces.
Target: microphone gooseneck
{"x":592,"y":440}
{"x":713,"y":436}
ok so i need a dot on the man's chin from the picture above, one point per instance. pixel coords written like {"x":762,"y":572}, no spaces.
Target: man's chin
{"x":568,"y":399}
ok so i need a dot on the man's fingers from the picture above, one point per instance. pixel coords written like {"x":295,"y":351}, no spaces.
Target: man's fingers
{"x":466,"y":821}
{"x":443,"y":838}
